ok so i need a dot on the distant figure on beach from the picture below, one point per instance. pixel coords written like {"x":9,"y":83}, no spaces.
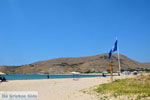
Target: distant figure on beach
{"x":2,"y":79}
{"x":103,"y":74}
{"x":135,"y":72}
{"x":48,"y":76}
{"x":118,"y":74}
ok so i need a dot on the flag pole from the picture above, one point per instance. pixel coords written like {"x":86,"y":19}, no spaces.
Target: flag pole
{"x":118,"y":58}
{"x":119,"y":61}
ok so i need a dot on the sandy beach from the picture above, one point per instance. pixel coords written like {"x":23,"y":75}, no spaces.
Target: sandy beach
{"x":57,"y":89}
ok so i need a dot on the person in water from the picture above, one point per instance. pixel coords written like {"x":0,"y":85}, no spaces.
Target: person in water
{"x":48,"y":76}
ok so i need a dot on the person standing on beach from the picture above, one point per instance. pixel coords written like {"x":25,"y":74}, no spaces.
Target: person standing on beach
{"x":47,"y":76}
{"x":2,"y":79}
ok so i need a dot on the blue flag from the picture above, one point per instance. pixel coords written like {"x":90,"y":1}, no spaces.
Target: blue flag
{"x":115,"y":46}
{"x":110,"y":54}
{"x":113,"y":49}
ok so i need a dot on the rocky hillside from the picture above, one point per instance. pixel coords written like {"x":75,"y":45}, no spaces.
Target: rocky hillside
{"x":88,"y":64}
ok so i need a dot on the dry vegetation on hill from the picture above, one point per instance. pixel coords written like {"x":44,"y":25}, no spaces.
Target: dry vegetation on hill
{"x":88,"y":64}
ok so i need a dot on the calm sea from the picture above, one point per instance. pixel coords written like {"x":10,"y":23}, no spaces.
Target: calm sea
{"x":35,"y":76}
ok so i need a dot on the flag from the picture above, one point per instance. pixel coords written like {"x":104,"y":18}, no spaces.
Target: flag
{"x":110,"y":54}
{"x":113,"y":49}
{"x":115,"y":46}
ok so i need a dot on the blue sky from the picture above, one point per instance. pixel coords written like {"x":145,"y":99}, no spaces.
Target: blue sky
{"x":35,"y":30}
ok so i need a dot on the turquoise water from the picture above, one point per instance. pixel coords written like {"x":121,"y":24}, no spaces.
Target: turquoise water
{"x":35,"y":76}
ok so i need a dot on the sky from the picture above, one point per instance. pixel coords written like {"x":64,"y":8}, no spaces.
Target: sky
{"x":38,"y":30}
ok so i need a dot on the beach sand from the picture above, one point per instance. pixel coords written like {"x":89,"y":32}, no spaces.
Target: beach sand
{"x":57,"y":89}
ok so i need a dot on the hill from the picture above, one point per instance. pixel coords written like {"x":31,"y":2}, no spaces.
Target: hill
{"x":97,"y":63}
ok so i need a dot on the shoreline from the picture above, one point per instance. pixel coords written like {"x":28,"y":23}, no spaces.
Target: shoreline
{"x":57,"y":89}
{"x":52,"y":76}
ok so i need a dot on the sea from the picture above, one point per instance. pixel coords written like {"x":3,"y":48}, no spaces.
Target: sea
{"x":35,"y":76}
